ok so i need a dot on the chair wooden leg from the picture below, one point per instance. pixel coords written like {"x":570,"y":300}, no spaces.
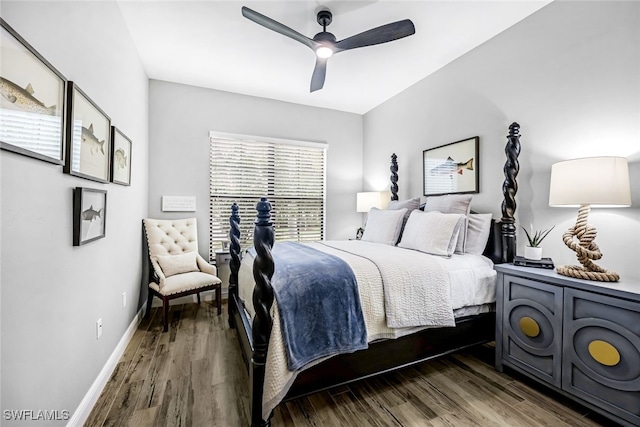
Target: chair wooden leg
{"x":149,"y":303}
{"x":165,"y":320}
{"x":219,"y":299}
{"x":198,"y":298}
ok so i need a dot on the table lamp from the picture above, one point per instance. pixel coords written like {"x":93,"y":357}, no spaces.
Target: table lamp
{"x":372,"y":199}
{"x":588,"y":182}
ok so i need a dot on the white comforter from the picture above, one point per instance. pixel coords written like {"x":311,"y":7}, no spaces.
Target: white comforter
{"x":416,"y":288}
{"x":423,"y":291}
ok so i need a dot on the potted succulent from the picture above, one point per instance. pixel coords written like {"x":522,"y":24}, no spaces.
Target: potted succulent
{"x":533,"y":249}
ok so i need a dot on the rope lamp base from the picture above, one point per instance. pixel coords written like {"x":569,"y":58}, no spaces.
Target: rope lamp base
{"x":582,"y":273}
{"x":586,"y":250}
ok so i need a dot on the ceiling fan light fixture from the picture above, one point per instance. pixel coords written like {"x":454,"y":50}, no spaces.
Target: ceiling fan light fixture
{"x":324,"y":44}
{"x":324,"y":52}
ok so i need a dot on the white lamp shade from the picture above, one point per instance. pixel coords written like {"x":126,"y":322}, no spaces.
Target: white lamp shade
{"x":372,"y":199}
{"x":595,"y":181}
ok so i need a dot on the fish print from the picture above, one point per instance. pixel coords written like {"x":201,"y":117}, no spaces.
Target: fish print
{"x":449,"y":167}
{"x":90,"y":139}
{"x":23,"y":98}
{"x":91,"y":214}
{"x":120,"y":158}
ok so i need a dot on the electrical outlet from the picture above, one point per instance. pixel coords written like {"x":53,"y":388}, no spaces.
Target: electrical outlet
{"x":124,"y":299}
{"x":98,"y":328}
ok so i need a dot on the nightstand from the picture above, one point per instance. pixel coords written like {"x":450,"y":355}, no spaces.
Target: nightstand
{"x":579,"y":337}
{"x":223,"y":258}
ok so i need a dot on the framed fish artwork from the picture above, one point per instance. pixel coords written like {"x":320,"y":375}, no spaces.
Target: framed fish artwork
{"x":120,"y":157}
{"x":88,"y":137}
{"x":32,"y":101}
{"x":89,"y":215}
{"x":452,"y":168}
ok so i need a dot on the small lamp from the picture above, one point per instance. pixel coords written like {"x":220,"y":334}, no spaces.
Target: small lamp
{"x":593,"y":181}
{"x":371,"y":199}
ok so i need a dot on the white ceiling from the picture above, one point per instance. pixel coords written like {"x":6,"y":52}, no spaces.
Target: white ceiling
{"x":210,"y":44}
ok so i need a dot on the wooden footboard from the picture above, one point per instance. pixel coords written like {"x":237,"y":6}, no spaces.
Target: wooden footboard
{"x":381,"y":356}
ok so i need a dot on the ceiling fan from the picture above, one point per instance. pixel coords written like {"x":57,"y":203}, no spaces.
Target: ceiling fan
{"x":324,"y":43}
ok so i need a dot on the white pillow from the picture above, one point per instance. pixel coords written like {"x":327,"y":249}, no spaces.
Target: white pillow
{"x":478,"y":233}
{"x":452,"y":204}
{"x":431,"y":232}
{"x":383,"y":226}
{"x":177,"y":264}
{"x":410,"y":205}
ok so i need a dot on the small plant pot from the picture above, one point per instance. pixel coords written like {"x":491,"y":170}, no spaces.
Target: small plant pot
{"x":533,"y":253}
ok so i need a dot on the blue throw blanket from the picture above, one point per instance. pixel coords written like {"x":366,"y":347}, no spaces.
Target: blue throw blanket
{"x":320,"y":312}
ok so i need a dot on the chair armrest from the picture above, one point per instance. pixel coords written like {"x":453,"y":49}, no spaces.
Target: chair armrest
{"x":205,"y":267}
{"x":158,"y":272}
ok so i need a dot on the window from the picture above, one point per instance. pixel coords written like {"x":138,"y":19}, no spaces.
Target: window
{"x":290,"y":174}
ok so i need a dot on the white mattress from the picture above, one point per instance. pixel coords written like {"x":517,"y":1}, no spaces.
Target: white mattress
{"x":472,"y":290}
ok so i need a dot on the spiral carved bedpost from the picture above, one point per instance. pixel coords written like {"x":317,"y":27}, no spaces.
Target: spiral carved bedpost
{"x":394,"y":177}
{"x":234,"y":265}
{"x":263,"y":268}
{"x":509,"y":189}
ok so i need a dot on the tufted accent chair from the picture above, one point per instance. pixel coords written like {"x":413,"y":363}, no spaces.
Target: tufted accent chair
{"x":170,"y":244}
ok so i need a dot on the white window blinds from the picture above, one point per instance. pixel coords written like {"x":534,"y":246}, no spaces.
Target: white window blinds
{"x":291,"y":176}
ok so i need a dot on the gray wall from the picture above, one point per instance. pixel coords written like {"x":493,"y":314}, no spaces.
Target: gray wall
{"x":52,"y":292}
{"x":569,"y":74}
{"x":181,"y":118}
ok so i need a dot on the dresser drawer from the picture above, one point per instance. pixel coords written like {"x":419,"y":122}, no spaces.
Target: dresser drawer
{"x":602,"y":352}
{"x":532,"y":328}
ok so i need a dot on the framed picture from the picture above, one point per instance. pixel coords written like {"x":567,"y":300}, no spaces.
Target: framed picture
{"x":88,"y":137}
{"x":32,"y":104}
{"x":120,"y":157}
{"x":452,"y":168}
{"x":89,"y":215}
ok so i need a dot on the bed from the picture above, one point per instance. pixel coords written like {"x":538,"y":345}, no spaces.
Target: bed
{"x":469,"y":320}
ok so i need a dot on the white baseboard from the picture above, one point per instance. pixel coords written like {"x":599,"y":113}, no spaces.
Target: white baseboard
{"x":82,"y":412}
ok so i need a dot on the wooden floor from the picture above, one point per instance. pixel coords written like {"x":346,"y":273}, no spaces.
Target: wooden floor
{"x":193,"y":375}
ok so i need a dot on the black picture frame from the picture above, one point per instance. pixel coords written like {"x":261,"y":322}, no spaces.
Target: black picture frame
{"x":452,"y":168}
{"x":89,"y":215}
{"x":120,"y":157}
{"x":33,"y":102}
{"x":88,"y":137}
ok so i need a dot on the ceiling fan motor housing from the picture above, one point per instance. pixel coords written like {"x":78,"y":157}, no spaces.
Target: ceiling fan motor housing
{"x":324,"y":19}
{"x":325,"y":37}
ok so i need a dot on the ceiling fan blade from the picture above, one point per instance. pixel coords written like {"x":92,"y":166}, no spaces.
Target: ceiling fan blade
{"x":383,"y":34}
{"x":269,"y":23}
{"x":319,"y":73}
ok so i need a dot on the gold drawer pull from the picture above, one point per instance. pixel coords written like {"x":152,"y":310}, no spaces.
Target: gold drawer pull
{"x":529,"y":327}
{"x":604,"y":353}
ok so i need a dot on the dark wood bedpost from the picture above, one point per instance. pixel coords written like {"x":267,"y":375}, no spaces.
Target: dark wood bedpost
{"x":234,"y":265}
{"x":394,"y":177}
{"x":263,"y":267}
{"x":509,"y":189}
